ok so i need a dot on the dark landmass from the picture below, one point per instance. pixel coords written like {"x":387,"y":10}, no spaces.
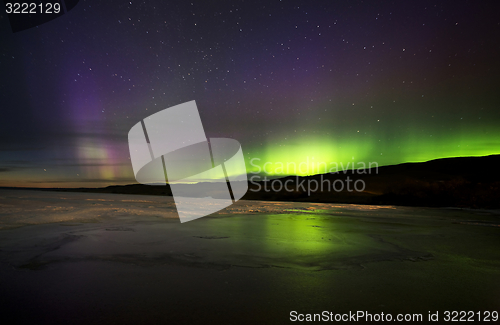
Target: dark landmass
{"x":468,"y":182}
{"x":472,"y":182}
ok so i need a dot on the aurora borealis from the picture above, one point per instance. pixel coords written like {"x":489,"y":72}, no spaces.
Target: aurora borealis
{"x":371,"y":81}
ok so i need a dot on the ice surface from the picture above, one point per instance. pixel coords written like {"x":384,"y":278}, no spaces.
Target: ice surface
{"x":109,"y":258}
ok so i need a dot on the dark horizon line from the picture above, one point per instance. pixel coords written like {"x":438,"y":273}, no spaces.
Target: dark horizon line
{"x":269,"y":177}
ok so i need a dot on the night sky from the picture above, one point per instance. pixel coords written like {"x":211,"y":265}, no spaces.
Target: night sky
{"x":329,"y":81}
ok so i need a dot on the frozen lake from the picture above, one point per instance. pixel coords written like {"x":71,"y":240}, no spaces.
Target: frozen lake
{"x":111,"y":258}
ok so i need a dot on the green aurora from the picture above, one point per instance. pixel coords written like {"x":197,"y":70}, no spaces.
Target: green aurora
{"x":312,"y":155}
